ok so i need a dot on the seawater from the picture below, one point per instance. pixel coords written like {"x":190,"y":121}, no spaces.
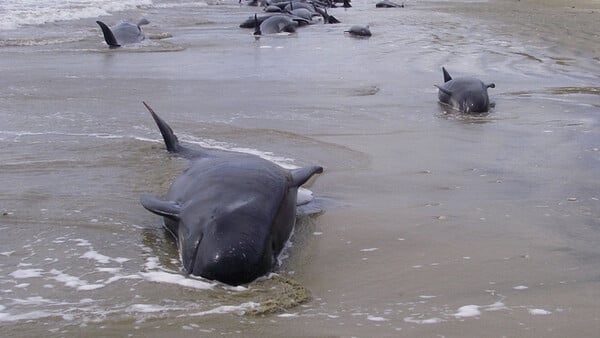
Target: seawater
{"x":442,"y":224}
{"x":35,"y":12}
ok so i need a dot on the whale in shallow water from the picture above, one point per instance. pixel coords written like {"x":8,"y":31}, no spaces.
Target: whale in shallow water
{"x":465,"y":94}
{"x":276,"y":24}
{"x":124,"y":33}
{"x":359,"y":31}
{"x":230,"y":213}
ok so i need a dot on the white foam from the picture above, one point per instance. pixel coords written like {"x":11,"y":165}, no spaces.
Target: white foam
{"x":369,"y":249}
{"x":496,"y":307}
{"x":376,"y":318}
{"x":538,"y":312}
{"x":433,"y":320}
{"x":26,"y":273}
{"x":92,"y":254}
{"x":284,"y":162}
{"x":520,"y":287}
{"x":146,"y":308}
{"x":171,"y":278}
{"x":7,"y":317}
{"x":36,"y":300}
{"x":182,"y":4}
{"x":238,"y":309}
{"x":73,"y":281}
{"x":426,"y":296}
{"x":468,"y":311}
{"x":36,"y":12}
{"x":81,"y":242}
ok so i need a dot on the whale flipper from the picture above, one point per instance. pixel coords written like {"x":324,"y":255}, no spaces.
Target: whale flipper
{"x":443,"y":90}
{"x":300,"y":176}
{"x":109,"y":37}
{"x":161,"y":207}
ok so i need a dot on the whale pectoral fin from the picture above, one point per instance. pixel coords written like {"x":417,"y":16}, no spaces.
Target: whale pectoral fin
{"x":447,"y":76}
{"x":300,"y":176}
{"x":109,"y":37}
{"x":490,"y":85}
{"x":155,"y":204}
{"x":443,"y":90}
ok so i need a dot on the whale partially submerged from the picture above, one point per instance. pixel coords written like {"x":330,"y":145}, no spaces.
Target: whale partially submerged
{"x":124,"y":33}
{"x":466,"y":94}
{"x":230,"y":213}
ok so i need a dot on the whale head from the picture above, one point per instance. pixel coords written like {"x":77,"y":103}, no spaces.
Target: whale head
{"x":233,"y":229}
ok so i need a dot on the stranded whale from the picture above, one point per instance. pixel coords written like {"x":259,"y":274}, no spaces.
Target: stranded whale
{"x":231,"y":213}
{"x":124,"y":33}
{"x":465,"y":94}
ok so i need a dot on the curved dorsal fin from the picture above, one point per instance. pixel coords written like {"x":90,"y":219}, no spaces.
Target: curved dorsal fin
{"x":447,"y":76}
{"x":257,"y":31}
{"x":109,"y":37}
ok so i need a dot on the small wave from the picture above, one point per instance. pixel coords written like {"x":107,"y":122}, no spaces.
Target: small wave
{"x":36,"y":12}
{"x":37,"y":42}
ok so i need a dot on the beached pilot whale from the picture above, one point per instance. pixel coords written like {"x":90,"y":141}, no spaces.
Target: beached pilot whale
{"x":124,"y":33}
{"x":465,"y":94}
{"x":231,"y":213}
{"x":359,"y":31}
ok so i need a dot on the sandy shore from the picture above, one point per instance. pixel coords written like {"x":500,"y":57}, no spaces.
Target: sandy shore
{"x":568,"y":24}
{"x":438,"y":224}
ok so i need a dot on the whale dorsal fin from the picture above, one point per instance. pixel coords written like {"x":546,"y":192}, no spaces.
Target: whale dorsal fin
{"x":161,"y":207}
{"x":300,"y":176}
{"x":171,"y":141}
{"x":109,"y":37}
{"x":443,"y":90}
{"x":257,"y":31}
{"x":447,"y":76}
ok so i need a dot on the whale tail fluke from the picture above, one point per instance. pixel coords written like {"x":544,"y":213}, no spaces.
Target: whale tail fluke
{"x":109,"y":37}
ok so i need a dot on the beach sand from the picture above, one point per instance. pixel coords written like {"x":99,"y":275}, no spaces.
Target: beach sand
{"x":435,"y":224}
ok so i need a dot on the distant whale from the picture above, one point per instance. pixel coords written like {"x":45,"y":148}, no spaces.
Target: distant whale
{"x":465,"y":94}
{"x":274,"y":24}
{"x":359,"y":31}
{"x":124,"y":33}
{"x":231,"y":213}
{"x":388,"y":4}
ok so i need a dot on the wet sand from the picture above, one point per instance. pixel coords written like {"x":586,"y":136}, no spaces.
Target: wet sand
{"x":435,"y":223}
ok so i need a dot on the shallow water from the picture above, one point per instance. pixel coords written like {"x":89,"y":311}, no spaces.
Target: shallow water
{"x":435,"y":223}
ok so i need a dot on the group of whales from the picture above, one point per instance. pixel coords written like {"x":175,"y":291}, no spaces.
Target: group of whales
{"x":287,"y":15}
{"x":232,"y":213}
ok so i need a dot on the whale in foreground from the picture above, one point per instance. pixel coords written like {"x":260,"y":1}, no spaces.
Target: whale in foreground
{"x":466,"y":94}
{"x":124,"y":33}
{"x":230,"y":213}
